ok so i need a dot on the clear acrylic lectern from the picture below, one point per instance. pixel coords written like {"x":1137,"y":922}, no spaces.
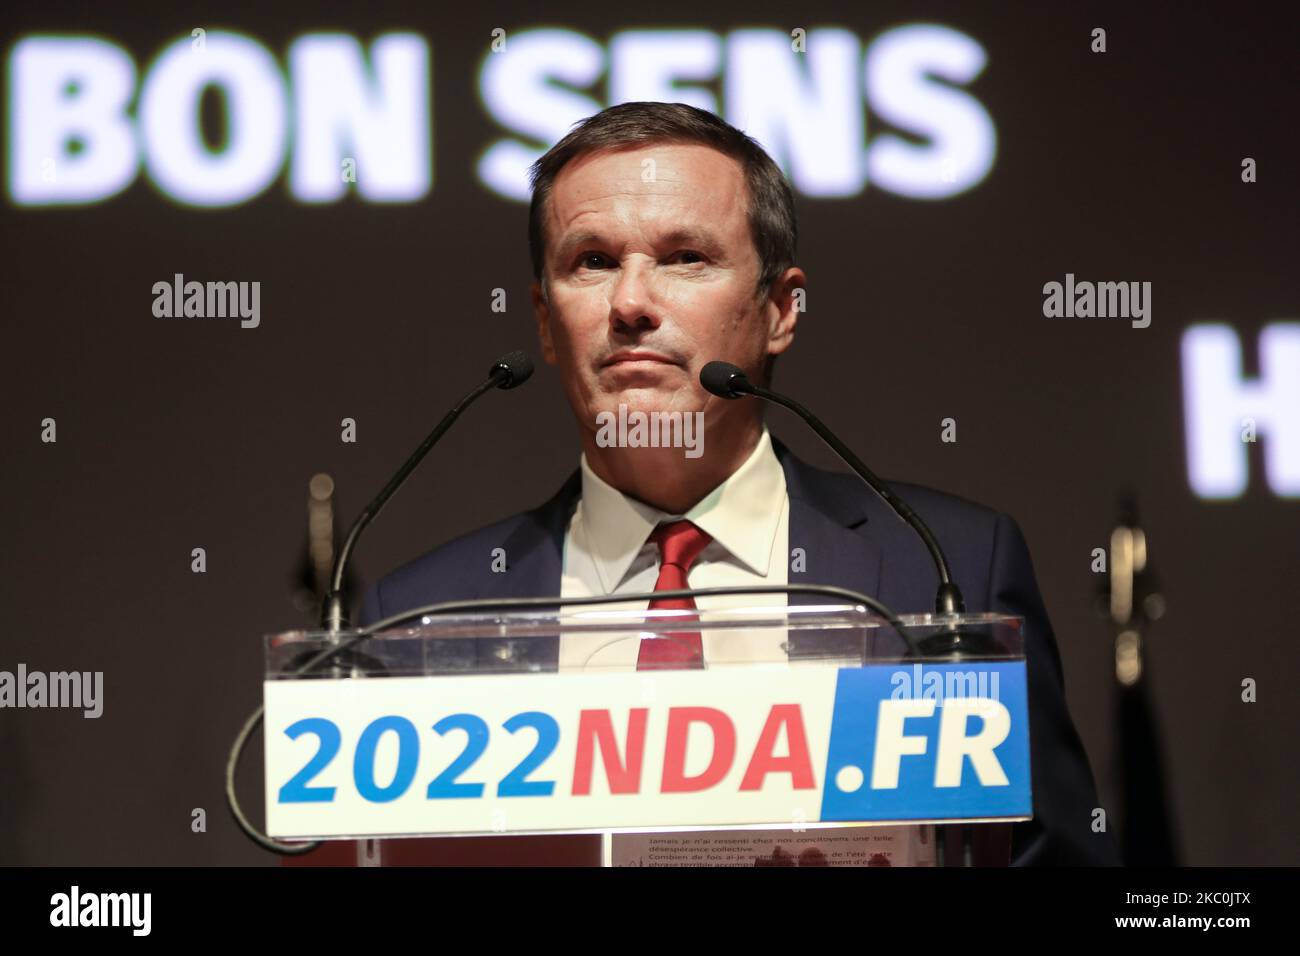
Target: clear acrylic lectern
{"x":808,"y":734}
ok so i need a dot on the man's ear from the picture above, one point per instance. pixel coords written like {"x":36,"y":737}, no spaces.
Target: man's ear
{"x":785,"y":300}
{"x":542,"y":311}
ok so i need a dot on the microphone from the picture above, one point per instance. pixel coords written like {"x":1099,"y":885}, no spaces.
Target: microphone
{"x":509,"y":371}
{"x":514,"y":367}
{"x":727,"y":381}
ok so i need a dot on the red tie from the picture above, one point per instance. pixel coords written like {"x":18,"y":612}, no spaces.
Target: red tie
{"x":680,"y":544}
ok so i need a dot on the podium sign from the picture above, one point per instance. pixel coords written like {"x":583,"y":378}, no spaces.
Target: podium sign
{"x":814,"y":740}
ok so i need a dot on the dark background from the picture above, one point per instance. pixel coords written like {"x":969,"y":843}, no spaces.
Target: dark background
{"x":176,"y":434}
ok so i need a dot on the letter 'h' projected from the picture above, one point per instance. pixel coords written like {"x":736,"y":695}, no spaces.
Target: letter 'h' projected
{"x":1224,"y":412}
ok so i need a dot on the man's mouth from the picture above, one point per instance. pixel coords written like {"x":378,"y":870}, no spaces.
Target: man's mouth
{"x":637,"y":357}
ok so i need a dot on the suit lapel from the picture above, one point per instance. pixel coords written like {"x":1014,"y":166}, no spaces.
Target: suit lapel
{"x":826,"y":518}
{"x":538,"y":545}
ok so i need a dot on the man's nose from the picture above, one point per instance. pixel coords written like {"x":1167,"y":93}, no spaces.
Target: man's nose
{"x":632,"y":303}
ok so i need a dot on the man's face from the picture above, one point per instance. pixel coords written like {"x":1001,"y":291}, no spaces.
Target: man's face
{"x":652,"y":274}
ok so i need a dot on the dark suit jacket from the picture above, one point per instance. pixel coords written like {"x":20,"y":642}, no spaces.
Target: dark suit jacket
{"x":851,"y":539}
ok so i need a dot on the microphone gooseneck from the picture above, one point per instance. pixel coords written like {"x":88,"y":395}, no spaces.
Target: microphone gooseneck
{"x":730,"y":382}
{"x":509,"y":371}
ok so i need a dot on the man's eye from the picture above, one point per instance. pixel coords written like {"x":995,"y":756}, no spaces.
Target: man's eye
{"x":689,"y":256}
{"x":591,"y":260}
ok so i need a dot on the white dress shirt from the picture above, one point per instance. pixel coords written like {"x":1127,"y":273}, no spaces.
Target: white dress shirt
{"x":607,"y":551}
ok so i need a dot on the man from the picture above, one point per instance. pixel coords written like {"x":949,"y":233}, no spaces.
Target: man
{"x":662,"y":239}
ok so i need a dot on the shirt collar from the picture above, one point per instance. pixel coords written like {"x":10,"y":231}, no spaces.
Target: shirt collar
{"x":742,"y":515}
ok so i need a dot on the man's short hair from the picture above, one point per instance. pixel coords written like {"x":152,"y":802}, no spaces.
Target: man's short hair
{"x":632,"y":125}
